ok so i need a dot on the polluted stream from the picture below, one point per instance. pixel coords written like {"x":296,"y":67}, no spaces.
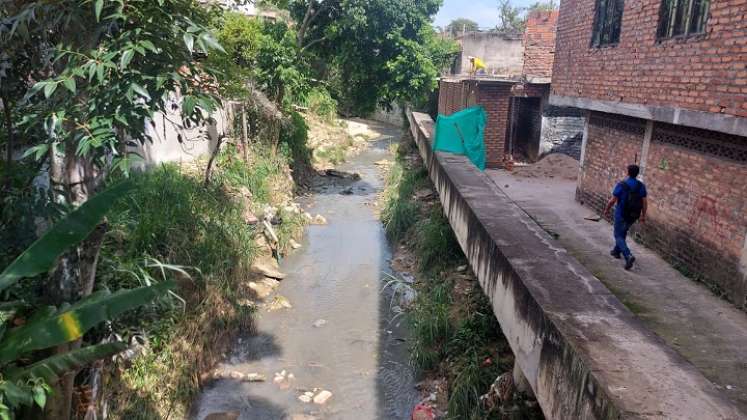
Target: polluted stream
{"x":343,"y":334}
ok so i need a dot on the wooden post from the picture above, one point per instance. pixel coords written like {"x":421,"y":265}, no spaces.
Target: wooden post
{"x":244,"y":133}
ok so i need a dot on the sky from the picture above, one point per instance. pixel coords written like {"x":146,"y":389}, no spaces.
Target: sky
{"x":484,"y":12}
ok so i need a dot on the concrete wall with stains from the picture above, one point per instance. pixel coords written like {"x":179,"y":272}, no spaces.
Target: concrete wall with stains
{"x":175,"y":142}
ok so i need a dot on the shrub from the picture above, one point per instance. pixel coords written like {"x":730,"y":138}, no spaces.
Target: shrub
{"x":321,"y":103}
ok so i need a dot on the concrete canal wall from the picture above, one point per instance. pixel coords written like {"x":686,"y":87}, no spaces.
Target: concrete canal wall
{"x":583,"y":353}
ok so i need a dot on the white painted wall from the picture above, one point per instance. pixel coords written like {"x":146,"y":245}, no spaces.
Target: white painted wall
{"x":503,"y":55}
{"x":173,"y":142}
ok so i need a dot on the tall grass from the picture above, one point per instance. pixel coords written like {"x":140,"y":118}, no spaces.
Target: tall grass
{"x":174,"y":218}
{"x":400,"y":212}
{"x":455,"y":333}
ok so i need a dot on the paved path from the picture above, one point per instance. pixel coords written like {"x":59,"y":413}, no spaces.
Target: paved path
{"x":707,"y":331}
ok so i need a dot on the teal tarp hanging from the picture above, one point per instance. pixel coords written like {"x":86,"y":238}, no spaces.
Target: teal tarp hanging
{"x":463,"y":133}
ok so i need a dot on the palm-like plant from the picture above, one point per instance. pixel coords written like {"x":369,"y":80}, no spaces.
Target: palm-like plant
{"x":25,"y":383}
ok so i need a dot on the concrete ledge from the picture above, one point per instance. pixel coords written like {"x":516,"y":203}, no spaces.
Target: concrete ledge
{"x":705,"y":120}
{"x":584,"y":354}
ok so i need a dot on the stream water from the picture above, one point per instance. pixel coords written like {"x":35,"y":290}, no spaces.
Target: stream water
{"x":341,"y":334}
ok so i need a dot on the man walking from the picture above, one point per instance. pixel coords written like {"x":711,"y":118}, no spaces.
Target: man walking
{"x":629,"y":199}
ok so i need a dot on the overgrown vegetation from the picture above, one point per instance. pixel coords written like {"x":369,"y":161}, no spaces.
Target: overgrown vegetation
{"x":456,"y":335}
{"x":80,"y":84}
{"x":172,"y":217}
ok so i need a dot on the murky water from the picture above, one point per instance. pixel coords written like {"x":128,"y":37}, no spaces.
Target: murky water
{"x":360,"y":354}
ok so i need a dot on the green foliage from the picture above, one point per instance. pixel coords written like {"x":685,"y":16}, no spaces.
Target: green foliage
{"x":342,"y":35}
{"x":437,"y":246}
{"x":459,"y":25}
{"x":259,"y":53}
{"x":510,"y":19}
{"x":171,"y":217}
{"x":49,"y":327}
{"x":295,"y":138}
{"x":104,"y":87}
{"x":75,"y":227}
{"x":400,"y":211}
{"x":321,"y":103}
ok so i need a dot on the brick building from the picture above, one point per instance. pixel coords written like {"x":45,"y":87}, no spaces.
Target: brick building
{"x":521,"y":122}
{"x":664,"y":85}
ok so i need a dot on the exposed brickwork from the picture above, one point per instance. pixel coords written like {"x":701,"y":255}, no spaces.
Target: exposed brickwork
{"x":539,"y":44}
{"x":494,"y":97}
{"x":699,"y":211}
{"x":614,"y":142}
{"x":697,"y":197}
{"x":703,"y":73}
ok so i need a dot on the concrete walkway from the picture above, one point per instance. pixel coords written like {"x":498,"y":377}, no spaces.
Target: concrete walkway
{"x":705,"y":330}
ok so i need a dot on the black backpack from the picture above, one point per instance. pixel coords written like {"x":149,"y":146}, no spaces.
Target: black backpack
{"x":633,"y":202}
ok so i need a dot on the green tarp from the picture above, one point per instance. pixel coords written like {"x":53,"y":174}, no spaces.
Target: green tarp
{"x":463,"y":133}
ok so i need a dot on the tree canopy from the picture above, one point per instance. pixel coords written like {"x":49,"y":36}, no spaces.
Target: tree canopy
{"x":371,"y":51}
{"x":457,"y":26}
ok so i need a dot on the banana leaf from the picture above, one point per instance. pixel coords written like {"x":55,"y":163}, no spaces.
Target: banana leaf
{"x":69,"y":325}
{"x":71,"y":230}
{"x":52,"y":368}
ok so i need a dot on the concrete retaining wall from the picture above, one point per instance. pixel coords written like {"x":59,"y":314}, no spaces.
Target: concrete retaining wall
{"x":173,"y":142}
{"x":584,"y":354}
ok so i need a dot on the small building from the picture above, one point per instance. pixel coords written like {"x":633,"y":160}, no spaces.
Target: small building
{"x":522,"y":124}
{"x":502,"y":53}
{"x":664,"y":84}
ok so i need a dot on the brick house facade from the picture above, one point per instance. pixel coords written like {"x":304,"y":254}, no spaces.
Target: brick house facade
{"x":539,"y":45}
{"x":677,"y":107}
{"x":515,"y":103}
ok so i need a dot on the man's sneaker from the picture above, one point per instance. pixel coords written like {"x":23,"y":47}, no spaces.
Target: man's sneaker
{"x":629,"y":262}
{"x":615,"y":254}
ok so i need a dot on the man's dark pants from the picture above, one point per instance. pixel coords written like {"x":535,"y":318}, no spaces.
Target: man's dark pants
{"x":621,"y":233}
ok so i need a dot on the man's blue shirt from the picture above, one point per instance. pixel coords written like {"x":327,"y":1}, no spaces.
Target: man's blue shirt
{"x":622,"y":196}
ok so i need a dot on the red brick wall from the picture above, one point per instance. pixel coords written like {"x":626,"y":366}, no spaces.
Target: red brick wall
{"x":539,"y":44}
{"x":699,"y":211}
{"x":697,"y":193}
{"x":702,"y":73}
{"x":457,"y":95}
{"x":613,"y":143}
{"x":495,"y":98}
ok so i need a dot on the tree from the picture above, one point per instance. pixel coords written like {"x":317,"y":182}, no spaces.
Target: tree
{"x":25,"y":384}
{"x":547,"y":6}
{"x":460,"y":25}
{"x":96,"y":71}
{"x":365,"y":47}
{"x":510,"y":19}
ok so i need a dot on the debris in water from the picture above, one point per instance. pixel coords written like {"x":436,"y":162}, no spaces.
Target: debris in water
{"x":319,"y":220}
{"x":343,"y":175}
{"x":319,"y":323}
{"x":230,"y":415}
{"x":423,"y":412}
{"x":283,"y":379}
{"x":322,"y":397}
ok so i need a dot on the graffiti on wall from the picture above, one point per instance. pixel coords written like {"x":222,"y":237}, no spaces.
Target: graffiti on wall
{"x":706,"y":214}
